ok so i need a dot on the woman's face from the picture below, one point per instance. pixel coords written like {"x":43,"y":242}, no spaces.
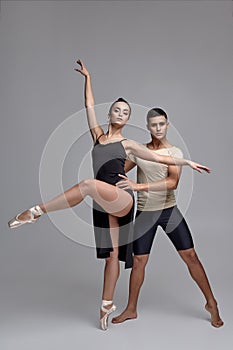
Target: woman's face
{"x":119,"y":113}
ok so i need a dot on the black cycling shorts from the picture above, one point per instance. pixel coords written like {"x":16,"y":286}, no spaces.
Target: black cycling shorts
{"x":172,"y":222}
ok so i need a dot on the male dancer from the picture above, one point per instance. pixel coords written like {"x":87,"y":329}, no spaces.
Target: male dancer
{"x":157,"y":207}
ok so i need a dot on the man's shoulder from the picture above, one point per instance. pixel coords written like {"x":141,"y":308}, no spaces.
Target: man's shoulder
{"x":175,"y":151}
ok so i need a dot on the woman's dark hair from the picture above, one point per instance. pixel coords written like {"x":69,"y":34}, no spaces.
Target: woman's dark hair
{"x":120,"y":99}
{"x":155,"y":112}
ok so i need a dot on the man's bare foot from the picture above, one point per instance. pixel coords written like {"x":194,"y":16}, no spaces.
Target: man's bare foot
{"x":125,"y":315}
{"x":215,"y":317}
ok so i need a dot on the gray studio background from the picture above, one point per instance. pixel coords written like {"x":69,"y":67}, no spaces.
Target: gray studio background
{"x":173,"y":54}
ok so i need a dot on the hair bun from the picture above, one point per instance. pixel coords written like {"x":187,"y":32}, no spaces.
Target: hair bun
{"x":121,"y":99}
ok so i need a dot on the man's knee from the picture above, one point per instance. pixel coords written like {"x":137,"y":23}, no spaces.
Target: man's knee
{"x":140,"y":261}
{"x":189,"y":256}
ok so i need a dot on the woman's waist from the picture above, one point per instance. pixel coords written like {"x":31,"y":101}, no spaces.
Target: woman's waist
{"x":110,"y":177}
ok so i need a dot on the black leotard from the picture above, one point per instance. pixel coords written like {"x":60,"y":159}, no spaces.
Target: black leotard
{"x":108,"y":162}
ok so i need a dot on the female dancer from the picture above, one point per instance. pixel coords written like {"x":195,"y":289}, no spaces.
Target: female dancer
{"x":113,"y":206}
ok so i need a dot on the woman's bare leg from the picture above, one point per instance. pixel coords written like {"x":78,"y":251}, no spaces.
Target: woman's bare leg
{"x":111,"y":198}
{"x":112,"y":268}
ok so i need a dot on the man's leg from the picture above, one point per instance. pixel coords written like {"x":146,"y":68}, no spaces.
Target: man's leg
{"x":180,"y":235}
{"x":198,"y":274}
{"x":136,"y":280}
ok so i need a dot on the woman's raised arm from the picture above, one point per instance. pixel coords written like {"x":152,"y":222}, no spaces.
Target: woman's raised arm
{"x":144,"y":153}
{"x":94,"y":127}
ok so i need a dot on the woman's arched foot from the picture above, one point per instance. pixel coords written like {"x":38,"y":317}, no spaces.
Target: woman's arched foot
{"x":124,"y":316}
{"x":106,"y":309}
{"x":216,"y":320}
{"x":28,"y":216}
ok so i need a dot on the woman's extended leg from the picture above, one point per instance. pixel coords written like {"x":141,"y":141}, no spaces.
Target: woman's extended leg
{"x":111,"y":198}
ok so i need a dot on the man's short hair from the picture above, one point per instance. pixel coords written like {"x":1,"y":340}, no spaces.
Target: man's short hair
{"x":155,"y":112}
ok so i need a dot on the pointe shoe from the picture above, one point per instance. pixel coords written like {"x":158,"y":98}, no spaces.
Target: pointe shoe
{"x":104,"y":319}
{"x":16,"y":222}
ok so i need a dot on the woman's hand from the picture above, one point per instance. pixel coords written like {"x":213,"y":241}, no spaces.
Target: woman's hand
{"x":83,"y":69}
{"x":126,"y":184}
{"x":198,"y":167}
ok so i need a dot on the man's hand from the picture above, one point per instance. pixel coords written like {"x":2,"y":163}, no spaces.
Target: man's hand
{"x":126,"y":184}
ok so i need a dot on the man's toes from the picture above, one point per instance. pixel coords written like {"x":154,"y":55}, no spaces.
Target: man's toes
{"x":217,"y":324}
{"x":116,"y":320}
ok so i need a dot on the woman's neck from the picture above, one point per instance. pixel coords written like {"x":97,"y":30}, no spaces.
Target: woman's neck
{"x":113,"y":133}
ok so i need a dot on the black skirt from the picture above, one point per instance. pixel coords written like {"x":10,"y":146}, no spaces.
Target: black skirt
{"x":102,"y":234}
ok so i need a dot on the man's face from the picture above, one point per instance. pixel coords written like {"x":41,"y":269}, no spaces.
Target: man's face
{"x":158,"y":127}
